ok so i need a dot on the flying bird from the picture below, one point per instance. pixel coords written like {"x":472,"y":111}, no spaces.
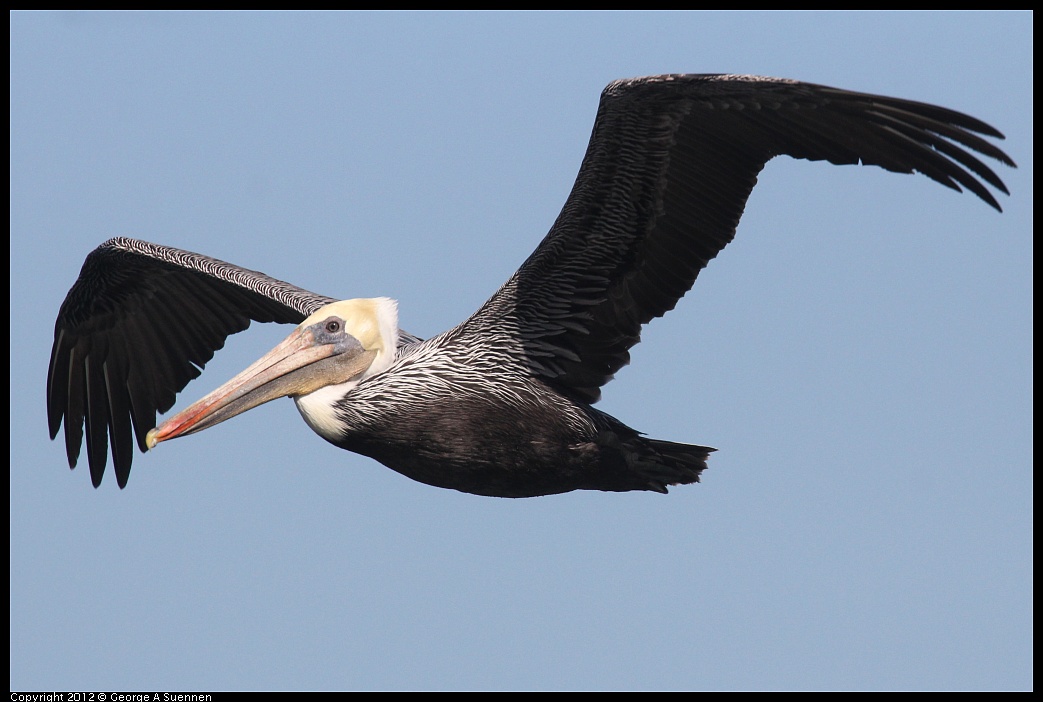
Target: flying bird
{"x":501,"y":404}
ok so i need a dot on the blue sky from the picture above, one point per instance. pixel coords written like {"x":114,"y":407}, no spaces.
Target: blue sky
{"x":861,"y":355}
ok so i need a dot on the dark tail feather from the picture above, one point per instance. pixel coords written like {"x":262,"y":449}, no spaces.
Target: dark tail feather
{"x":673,"y":464}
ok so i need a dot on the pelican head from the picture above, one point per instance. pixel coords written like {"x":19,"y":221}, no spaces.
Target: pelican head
{"x":336,"y":347}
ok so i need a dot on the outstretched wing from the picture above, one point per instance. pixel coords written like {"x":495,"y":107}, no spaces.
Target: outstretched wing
{"x":136,"y":327}
{"x":670,"y":164}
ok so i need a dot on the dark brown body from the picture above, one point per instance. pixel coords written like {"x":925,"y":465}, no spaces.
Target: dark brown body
{"x":485,"y":447}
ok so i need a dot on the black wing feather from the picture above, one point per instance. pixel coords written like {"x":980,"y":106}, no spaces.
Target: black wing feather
{"x":135,"y":328}
{"x":670,"y":165}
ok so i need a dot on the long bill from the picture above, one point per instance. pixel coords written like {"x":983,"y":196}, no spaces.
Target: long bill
{"x":305,"y":361}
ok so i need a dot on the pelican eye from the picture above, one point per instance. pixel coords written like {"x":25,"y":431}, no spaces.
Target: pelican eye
{"x":333,"y":326}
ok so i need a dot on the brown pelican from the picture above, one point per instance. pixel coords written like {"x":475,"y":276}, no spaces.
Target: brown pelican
{"x":502,"y":403}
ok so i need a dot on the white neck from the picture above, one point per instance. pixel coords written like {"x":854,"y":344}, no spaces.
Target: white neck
{"x":374,"y":322}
